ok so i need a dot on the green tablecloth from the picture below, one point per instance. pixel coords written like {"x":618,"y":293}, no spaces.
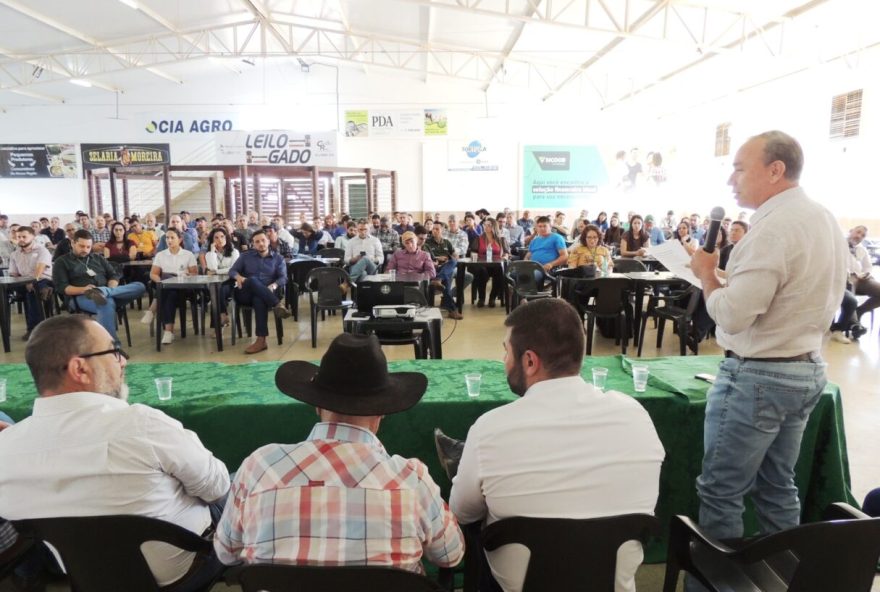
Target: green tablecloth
{"x":236,"y":408}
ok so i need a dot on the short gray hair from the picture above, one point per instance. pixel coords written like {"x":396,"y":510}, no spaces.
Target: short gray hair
{"x":51,"y":346}
{"x":780,"y":146}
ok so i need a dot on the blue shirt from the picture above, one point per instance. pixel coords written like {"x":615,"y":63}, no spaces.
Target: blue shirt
{"x":266,"y":270}
{"x":189,"y":243}
{"x":657,"y":236}
{"x":545,"y":249}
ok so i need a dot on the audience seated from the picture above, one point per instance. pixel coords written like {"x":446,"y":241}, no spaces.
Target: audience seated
{"x":635,"y":241}
{"x":32,"y":260}
{"x":218,"y":260}
{"x":446,"y":260}
{"x":482,"y":274}
{"x":589,"y":250}
{"x":344,"y":497}
{"x":363,"y":253}
{"x":172,"y":262}
{"x":860,"y":272}
{"x":614,"y":232}
{"x":546,"y":248}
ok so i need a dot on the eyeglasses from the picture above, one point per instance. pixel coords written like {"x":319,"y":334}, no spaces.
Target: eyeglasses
{"x":116,"y":351}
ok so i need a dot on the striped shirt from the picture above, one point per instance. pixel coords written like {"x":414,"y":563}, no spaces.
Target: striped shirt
{"x":336,"y":499}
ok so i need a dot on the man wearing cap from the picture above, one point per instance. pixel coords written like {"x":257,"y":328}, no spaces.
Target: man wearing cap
{"x":411,"y":259}
{"x":339,"y":498}
{"x":656,"y":235}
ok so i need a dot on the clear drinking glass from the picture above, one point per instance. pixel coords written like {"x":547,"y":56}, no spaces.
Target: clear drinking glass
{"x":600,"y":375}
{"x":473,"y":384}
{"x":163,"y":388}
{"x":640,"y":378}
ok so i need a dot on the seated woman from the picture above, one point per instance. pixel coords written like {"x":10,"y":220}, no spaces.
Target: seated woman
{"x":589,"y":250}
{"x":119,"y":248}
{"x":308,"y":239}
{"x":171,"y":262}
{"x":683,"y":235}
{"x":602,"y":222}
{"x":578,"y":230}
{"x":635,"y":241}
{"x":614,"y":233}
{"x":500,"y":251}
{"x":218,"y":259}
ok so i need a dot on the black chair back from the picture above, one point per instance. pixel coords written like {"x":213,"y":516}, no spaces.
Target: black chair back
{"x":103,"y":553}
{"x":298,"y":270}
{"x":626,"y":265}
{"x":568,"y":554}
{"x":325,"y":282}
{"x":307,"y":578}
{"x":331,"y":252}
{"x":611,"y":295}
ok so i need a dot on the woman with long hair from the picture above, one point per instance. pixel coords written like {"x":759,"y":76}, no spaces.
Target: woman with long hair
{"x":614,"y":232}
{"x":602,"y":222}
{"x":683,"y":235}
{"x":173,"y":261}
{"x":635,"y":241}
{"x":119,"y":248}
{"x":589,"y":250}
{"x":217,"y":260}
{"x":500,"y":251}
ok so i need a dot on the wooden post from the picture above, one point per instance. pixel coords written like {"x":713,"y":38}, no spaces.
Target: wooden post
{"x":334,"y":205}
{"x":90,"y":179}
{"x":371,"y":192}
{"x":99,"y":198}
{"x":212,"y":186}
{"x":227,"y":197}
{"x":258,"y":196}
{"x":315,"y":211}
{"x":114,"y":206}
{"x":282,"y":195}
{"x":126,"y":210}
{"x":166,"y":187}
{"x":374,"y":207}
{"x":393,"y":191}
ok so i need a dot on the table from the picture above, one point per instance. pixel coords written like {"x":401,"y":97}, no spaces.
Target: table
{"x":7,"y":283}
{"x":427,"y":319}
{"x":206,"y":283}
{"x":235,"y":409}
{"x":463,"y":264}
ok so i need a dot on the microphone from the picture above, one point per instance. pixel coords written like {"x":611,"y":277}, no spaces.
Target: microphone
{"x":715,"y":216}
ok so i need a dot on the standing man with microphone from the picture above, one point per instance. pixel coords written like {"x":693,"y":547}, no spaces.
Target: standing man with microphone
{"x":783,"y":288}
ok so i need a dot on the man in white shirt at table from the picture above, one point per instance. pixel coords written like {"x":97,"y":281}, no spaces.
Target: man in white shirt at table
{"x":564,"y":450}
{"x":86,"y":452}
{"x":363,"y":253}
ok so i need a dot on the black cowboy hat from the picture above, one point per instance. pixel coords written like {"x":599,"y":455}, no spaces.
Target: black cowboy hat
{"x":353,"y":379}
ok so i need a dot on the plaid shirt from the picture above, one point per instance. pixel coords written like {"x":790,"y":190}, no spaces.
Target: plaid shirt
{"x":336,"y":499}
{"x":8,"y":536}
{"x":100,"y":236}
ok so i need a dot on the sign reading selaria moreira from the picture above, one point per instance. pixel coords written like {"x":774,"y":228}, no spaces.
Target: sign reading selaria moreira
{"x":96,"y":156}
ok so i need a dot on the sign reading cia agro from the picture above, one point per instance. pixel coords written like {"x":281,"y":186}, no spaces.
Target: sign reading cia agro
{"x":192,"y":126}
{"x":274,"y":147}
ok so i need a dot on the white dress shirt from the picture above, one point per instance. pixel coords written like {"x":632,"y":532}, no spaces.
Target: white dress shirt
{"x":25,"y":264}
{"x":564,"y":450}
{"x":860,"y":261}
{"x":88,"y":454}
{"x":220,"y":263}
{"x":370,"y":245}
{"x":784,"y":286}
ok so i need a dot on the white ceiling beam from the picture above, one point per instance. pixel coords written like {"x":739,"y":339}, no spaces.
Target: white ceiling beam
{"x":261,"y":13}
{"x":512,"y":40}
{"x":35,"y":95}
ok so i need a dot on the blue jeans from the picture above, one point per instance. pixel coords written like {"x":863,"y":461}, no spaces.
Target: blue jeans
{"x":445,"y":274}
{"x":33,"y":306}
{"x":755,"y":418}
{"x":364,"y":266}
{"x":118,"y":296}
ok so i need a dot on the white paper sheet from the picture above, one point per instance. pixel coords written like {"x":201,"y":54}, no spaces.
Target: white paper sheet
{"x":676,"y":259}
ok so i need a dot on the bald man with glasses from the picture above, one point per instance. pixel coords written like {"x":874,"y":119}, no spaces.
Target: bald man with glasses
{"x":86,"y":452}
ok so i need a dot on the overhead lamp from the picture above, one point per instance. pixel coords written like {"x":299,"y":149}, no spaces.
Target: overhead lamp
{"x":131,"y":4}
{"x":37,"y":72}
{"x":249,"y":62}
{"x":81,"y":82}
{"x":303,"y":65}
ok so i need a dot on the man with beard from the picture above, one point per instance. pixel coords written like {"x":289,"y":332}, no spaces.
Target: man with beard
{"x":564,"y":450}
{"x":32,"y":260}
{"x":86,"y":452}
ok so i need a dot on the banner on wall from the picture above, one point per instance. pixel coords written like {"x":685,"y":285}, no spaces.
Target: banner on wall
{"x":558,"y":176}
{"x":97,"y":156}
{"x":404,"y":123}
{"x":37,"y":161}
{"x":187,"y":123}
{"x":470,"y":156}
{"x":277,"y":147}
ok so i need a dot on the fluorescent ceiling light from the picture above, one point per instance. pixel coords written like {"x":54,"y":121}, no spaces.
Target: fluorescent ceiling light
{"x":81,"y":82}
{"x":130,"y":4}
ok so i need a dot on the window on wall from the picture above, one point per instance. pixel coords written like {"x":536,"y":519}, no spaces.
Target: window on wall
{"x":846,"y":115}
{"x":722,"y":139}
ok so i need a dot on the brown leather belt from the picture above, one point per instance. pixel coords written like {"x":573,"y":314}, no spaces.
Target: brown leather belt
{"x":807,"y":357}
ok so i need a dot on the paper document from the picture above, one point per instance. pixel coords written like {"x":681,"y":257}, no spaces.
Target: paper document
{"x":675,"y":258}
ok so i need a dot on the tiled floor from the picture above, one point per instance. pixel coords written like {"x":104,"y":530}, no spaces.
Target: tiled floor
{"x":855,"y":367}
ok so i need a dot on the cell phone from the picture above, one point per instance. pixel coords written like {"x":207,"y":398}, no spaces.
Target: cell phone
{"x":363,"y":253}
{"x":710,"y":378}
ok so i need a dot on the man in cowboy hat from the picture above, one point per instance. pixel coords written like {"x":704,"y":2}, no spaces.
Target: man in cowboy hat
{"x":339,"y":498}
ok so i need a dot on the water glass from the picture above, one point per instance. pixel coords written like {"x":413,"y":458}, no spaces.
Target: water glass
{"x":640,"y":378}
{"x":2,"y":390}
{"x":473,"y":384}
{"x":600,"y":375}
{"x":163,"y":388}
{"x":393,"y":274}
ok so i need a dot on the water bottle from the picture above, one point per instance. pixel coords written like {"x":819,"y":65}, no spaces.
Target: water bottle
{"x":604,"y":266}
{"x":488,"y":251}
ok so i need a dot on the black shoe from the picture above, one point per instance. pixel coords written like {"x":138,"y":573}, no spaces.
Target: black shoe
{"x":281,"y":312}
{"x":96,"y":296}
{"x":857,"y":330}
{"x":491,"y":303}
{"x":26,"y":336}
{"x":480,"y":304}
{"x":448,"y":451}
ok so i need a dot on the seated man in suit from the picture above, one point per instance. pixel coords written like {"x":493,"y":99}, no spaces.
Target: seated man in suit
{"x":564,"y":450}
{"x":339,"y":498}
{"x":93,"y":283}
{"x":86,"y":452}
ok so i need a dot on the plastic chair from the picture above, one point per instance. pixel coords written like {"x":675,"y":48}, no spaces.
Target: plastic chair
{"x":297,"y":274}
{"x":605,"y":298}
{"x":627,"y":265}
{"x":103,"y":553}
{"x":325,"y":294}
{"x":331,"y":252}
{"x":237,"y":308}
{"x":309,"y":578}
{"x":568,"y":554}
{"x":682,"y":317}
{"x":521,"y":283}
{"x":840,"y":554}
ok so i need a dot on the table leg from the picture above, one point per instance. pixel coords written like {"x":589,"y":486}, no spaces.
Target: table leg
{"x":436,"y":340}
{"x":638,"y":302}
{"x":158,"y":317}
{"x":459,"y":285}
{"x":5,"y":314}
{"x":215,"y":314}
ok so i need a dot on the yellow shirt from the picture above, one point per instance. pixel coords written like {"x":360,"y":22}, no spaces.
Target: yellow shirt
{"x":145,"y":241}
{"x":583,"y":255}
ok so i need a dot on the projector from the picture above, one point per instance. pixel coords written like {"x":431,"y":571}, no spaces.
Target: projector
{"x":394,"y":311}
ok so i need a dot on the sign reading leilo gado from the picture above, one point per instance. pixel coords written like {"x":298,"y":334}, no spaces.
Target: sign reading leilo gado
{"x":286,"y":148}
{"x":124,"y":155}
